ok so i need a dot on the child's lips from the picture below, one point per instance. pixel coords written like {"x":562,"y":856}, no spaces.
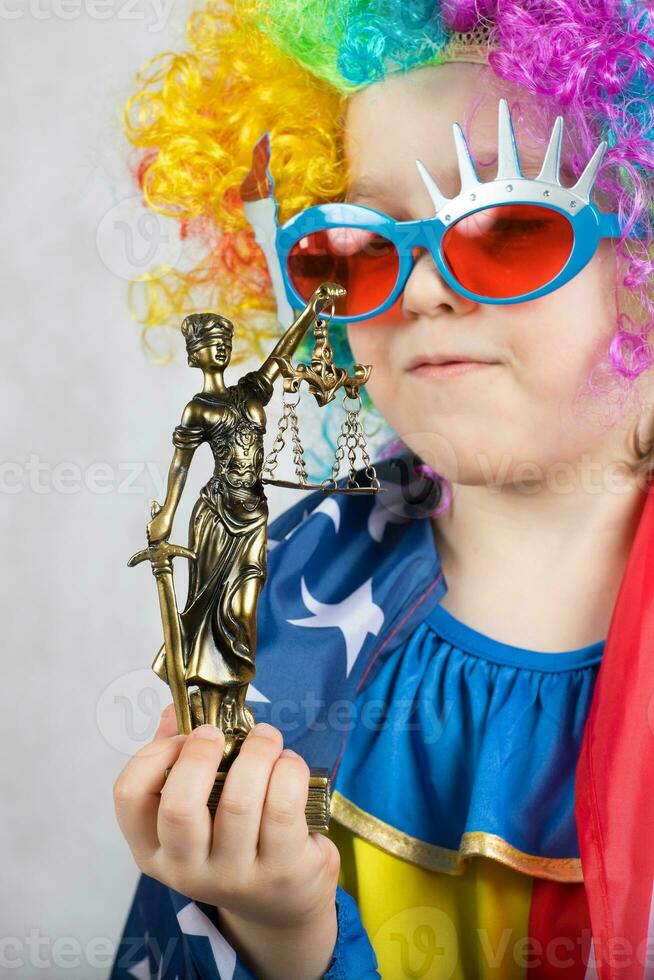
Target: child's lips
{"x":451,"y":367}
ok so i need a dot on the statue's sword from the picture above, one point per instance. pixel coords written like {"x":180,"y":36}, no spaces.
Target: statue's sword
{"x":160,"y":555}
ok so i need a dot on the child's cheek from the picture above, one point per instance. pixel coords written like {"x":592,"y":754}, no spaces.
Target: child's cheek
{"x":371,"y":340}
{"x":392,"y":317}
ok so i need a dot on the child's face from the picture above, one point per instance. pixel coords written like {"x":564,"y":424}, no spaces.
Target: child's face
{"x":480,"y":425}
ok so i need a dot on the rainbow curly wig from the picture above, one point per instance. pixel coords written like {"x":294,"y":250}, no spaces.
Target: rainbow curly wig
{"x":289,"y":67}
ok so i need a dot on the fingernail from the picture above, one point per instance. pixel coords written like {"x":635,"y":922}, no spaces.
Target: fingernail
{"x":290,"y":753}
{"x":168,"y":710}
{"x":207,"y":731}
{"x":263,"y":728}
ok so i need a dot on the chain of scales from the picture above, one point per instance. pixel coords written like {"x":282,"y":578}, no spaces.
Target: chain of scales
{"x":323,"y":378}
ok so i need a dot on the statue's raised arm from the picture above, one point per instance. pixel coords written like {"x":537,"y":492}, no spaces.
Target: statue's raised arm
{"x":325,"y":295}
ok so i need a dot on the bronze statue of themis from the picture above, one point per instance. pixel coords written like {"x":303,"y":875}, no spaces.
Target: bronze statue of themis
{"x":208,"y":654}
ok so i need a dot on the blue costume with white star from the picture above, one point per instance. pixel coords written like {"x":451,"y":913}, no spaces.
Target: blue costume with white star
{"x":350,"y":614}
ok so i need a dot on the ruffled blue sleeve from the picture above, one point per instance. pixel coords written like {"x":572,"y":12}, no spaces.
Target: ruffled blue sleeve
{"x":170,"y":937}
{"x":353,"y":958}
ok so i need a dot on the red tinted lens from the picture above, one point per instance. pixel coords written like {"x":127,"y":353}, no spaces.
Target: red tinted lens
{"x":508,"y":250}
{"x":366,"y":263}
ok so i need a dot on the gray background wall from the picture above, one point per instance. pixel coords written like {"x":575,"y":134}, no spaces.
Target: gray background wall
{"x":86,"y":439}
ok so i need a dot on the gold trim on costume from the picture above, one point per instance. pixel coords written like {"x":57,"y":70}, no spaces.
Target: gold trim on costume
{"x":435,"y":858}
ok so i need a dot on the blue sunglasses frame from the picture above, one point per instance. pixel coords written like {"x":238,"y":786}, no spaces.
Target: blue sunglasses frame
{"x":589,"y":225}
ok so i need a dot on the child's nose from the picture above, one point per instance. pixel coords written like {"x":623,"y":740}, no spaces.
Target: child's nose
{"x":427,"y":294}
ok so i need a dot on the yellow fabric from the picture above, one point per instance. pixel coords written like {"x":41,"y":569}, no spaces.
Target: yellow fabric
{"x":436,"y":926}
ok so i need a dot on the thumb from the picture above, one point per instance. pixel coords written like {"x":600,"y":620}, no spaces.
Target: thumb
{"x":331,"y":858}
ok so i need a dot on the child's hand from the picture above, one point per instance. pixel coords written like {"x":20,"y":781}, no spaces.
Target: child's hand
{"x":273,"y":882}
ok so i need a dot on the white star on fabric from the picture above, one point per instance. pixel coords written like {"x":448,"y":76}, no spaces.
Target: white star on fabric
{"x":331,"y":508}
{"x":254,"y":695}
{"x":328,"y":506}
{"x":141,"y":970}
{"x":193,"y":922}
{"x":355,"y":616}
{"x":272,"y":542}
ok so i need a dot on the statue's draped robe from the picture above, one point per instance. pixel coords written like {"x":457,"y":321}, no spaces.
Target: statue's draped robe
{"x":227,"y":533}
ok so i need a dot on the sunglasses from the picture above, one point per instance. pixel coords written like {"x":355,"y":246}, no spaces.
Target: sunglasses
{"x":508,"y":240}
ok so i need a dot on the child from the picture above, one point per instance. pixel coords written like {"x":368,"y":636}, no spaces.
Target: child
{"x":440,"y":660}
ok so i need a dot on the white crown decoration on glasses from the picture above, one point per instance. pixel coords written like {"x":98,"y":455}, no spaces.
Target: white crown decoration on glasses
{"x":510,"y":181}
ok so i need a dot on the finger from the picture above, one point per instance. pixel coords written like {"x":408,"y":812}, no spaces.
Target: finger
{"x":328,"y":856}
{"x":167,"y":722}
{"x":283,"y":834}
{"x":137,"y":794}
{"x":238,"y":815}
{"x":184,"y":824}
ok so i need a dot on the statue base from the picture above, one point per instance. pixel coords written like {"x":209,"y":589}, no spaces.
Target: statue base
{"x":317,"y":810}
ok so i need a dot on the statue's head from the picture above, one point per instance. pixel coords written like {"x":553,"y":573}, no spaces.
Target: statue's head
{"x":208,"y":339}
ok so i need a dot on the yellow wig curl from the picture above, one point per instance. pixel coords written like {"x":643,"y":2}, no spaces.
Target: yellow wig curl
{"x":195,"y":121}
